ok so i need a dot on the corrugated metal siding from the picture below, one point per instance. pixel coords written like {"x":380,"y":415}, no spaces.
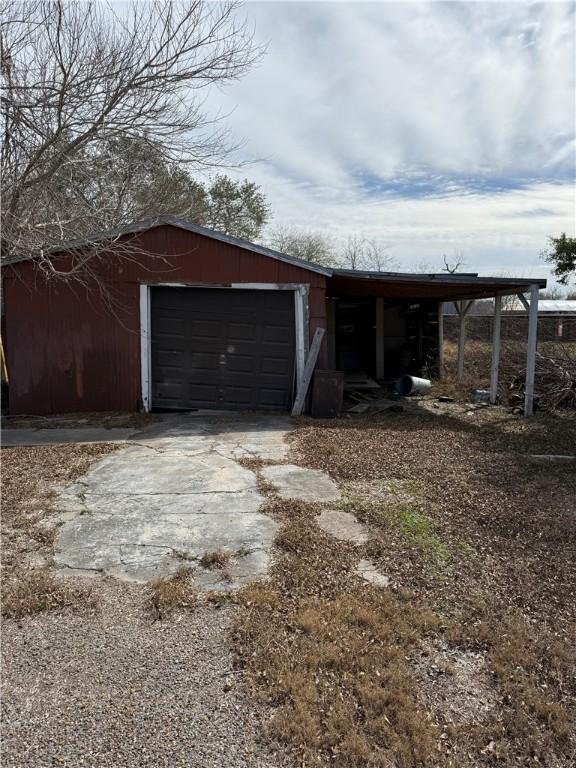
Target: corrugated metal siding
{"x":69,"y":352}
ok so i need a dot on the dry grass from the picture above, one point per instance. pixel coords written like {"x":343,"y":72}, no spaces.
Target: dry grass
{"x":256,"y":465}
{"x":217,"y":559}
{"x":465,"y":527}
{"x":170,"y":594}
{"x":555,"y":372}
{"x":29,"y":476}
{"x":26,"y":592}
{"x":330,"y":655}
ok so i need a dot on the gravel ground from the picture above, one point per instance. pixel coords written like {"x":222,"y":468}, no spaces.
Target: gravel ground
{"x":116,"y":689}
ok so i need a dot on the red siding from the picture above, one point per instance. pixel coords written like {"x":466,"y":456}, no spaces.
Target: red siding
{"x":67,"y":351}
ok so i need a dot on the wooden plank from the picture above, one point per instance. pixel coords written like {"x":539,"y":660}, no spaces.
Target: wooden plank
{"x":531,"y":353}
{"x":495,"y":349}
{"x":359,"y":408}
{"x":523,"y":301}
{"x":298,"y":406}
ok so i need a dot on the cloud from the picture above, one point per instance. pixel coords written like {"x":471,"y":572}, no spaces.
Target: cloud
{"x":428,"y":125}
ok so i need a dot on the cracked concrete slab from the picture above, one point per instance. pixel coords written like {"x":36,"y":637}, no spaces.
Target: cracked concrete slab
{"x":343,"y":526}
{"x":174,"y":494}
{"x":170,"y":473}
{"x":292,"y":482}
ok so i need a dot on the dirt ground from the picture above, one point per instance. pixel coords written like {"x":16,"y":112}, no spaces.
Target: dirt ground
{"x":466,"y":658}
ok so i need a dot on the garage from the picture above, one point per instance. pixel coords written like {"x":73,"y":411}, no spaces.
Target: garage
{"x":221,"y":348}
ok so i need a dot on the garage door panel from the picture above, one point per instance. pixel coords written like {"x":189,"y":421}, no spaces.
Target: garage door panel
{"x":242,"y":332}
{"x":203,"y":361}
{"x":222,"y":348}
{"x":199,"y":394}
{"x":273,"y":365}
{"x":205,"y":329}
{"x":272,"y":398}
{"x":240,"y":364}
{"x":170,"y":326}
{"x":168,"y":358}
{"x":276,"y":334}
{"x":168,"y":390}
{"x":238,"y":395}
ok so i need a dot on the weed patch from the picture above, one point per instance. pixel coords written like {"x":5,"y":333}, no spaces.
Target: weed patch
{"x":420,"y":531}
{"x":26,"y":592}
{"x":215,"y":560}
{"x":170,"y":594}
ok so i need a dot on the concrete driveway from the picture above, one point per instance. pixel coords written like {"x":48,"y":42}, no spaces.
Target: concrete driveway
{"x":175,"y":493}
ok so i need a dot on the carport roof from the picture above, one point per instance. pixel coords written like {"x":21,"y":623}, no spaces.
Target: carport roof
{"x":441,"y":286}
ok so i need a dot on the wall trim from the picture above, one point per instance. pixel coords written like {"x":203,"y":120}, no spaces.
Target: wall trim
{"x":145,"y":349}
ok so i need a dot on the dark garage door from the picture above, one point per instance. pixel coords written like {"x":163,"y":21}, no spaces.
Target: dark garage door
{"x":222,"y":348}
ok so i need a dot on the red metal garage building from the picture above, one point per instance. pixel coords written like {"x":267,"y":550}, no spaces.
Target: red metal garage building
{"x":193,"y":318}
{"x":240,"y":323}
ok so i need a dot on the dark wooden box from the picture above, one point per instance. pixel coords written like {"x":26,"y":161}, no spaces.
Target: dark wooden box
{"x":327,"y":394}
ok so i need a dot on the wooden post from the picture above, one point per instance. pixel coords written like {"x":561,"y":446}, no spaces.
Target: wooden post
{"x":440,"y":339}
{"x":465,"y":307}
{"x":495,"y":349}
{"x":531,"y":353}
{"x":379,"y":338}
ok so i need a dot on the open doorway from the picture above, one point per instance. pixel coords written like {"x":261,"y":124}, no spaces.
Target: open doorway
{"x":356,"y":335}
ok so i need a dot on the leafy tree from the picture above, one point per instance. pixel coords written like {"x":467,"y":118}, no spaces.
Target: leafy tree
{"x":309,"y":246}
{"x":562,"y":254}
{"x":236,"y":207}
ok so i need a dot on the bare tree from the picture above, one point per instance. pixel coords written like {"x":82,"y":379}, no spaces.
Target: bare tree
{"x":360,"y":252}
{"x":309,"y":246}
{"x":553,"y":292}
{"x":79,"y":77}
{"x":377,"y":258}
{"x":353,"y":251}
{"x":454,"y":265}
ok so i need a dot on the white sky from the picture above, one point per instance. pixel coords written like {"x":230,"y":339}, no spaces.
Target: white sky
{"x":430,"y":126}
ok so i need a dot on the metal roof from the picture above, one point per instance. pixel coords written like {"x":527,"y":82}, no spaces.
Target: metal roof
{"x":174,"y":221}
{"x":442,"y":286}
{"x":441,"y":277}
{"x":468,"y":282}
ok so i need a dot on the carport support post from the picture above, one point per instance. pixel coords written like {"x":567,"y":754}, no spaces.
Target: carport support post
{"x":379,"y":338}
{"x":531,"y":353}
{"x":495,"y":349}
{"x":440,"y":339}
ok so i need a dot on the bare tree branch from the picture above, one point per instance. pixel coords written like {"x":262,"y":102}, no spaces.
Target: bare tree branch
{"x":81,"y":77}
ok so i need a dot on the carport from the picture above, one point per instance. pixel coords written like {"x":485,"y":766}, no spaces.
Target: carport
{"x":391,"y":323}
